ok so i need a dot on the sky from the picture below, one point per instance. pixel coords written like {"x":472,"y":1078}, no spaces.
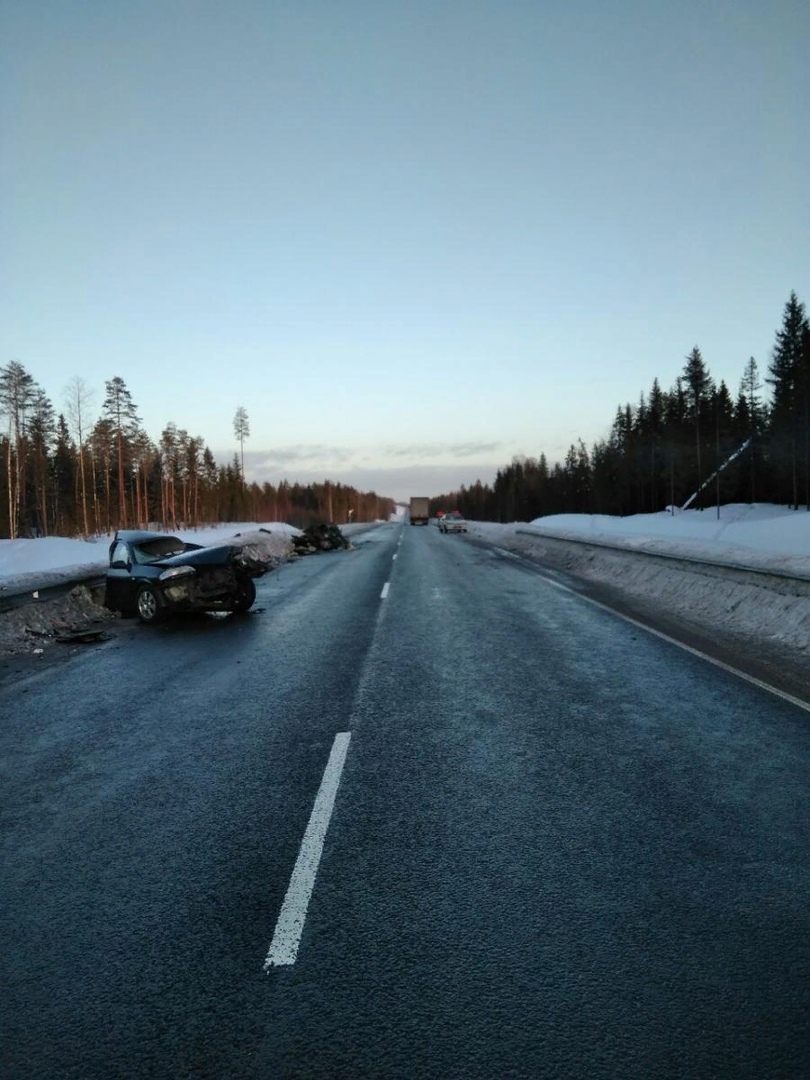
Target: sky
{"x":412,"y":240}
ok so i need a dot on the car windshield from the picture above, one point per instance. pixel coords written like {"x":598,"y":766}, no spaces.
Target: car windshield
{"x":152,"y":550}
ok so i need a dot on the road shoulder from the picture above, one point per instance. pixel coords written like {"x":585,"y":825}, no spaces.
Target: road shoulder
{"x":777,"y":663}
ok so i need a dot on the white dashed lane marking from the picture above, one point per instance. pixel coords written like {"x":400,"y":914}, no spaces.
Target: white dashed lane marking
{"x":287,"y":937}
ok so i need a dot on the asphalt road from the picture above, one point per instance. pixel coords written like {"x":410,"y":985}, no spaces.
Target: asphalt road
{"x":546,"y":844}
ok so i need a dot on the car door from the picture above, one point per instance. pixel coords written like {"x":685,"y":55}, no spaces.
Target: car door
{"x":120,"y":583}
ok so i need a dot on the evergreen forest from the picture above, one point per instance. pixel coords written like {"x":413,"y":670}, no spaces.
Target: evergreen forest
{"x":66,"y":474}
{"x":692,"y":445}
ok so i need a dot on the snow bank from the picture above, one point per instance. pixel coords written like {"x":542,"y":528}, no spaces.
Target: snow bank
{"x":759,"y":537}
{"x":762,"y":528}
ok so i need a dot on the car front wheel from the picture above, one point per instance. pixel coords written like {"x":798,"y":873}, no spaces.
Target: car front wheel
{"x":150,"y":608}
{"x":245,"y":595}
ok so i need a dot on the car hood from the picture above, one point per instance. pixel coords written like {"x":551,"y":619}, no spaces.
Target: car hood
{"x":207,"y":556}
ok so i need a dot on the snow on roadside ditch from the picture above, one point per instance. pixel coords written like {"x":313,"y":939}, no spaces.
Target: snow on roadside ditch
{"x":761,"y":537}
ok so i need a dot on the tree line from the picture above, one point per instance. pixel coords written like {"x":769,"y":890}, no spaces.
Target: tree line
{"x":72,"y":474}
{"x":694,"y":444}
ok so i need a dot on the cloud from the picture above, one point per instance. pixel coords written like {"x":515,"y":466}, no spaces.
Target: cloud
{"x":289,"y":456}
{"x":320,"y":456}
{"x":391,"y":471}
{"x":446,"y":451}
{"x":392,"y":482}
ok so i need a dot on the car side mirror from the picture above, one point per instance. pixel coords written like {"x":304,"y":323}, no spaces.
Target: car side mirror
{"x":119,"y":564}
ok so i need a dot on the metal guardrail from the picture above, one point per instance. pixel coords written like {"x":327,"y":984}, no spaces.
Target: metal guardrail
{"x":44,"y":590}
{"x":800,"y":582}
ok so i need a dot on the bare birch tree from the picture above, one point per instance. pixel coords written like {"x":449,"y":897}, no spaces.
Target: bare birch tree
{"x":78,"y":401}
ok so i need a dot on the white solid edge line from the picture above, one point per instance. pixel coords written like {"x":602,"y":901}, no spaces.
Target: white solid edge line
{"x":287,"y":936}
{"x":783,"y":694}
{"x":385,"y":589}
{"x":508,"y":554}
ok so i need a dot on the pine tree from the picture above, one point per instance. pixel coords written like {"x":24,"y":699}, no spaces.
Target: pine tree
{"x":102,"y":451}
{"x":804,"y":396}
{"x":211,"y":489}
{"x":41,"y":437}
{"x":655,"y":426}
{"x":789,"y":377}
{"x":63,"y":468}
{"x":241,"y":429}
{"x":724,"y":441}
{"x":121,"y":412}
{"x":698,"y":389}
{"x":192,"y":466}
{"x":143,"y":454}
{"x":169,"y":471}
{"x":17,"y":393}
{"x":754,"y":414}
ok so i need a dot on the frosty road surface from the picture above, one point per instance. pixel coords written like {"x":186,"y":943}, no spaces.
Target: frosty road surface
{"x":493,"y":830}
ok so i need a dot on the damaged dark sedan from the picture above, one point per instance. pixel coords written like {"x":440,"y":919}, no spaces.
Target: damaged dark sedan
{"x":152,"y":575}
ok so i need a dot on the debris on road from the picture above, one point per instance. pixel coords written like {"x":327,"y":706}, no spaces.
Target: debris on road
{"x":325,"y":537}
{"x":83,"y":636}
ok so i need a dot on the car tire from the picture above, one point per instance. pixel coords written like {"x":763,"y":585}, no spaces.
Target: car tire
{"x":149,"y":605}
{"x":245,"y":596}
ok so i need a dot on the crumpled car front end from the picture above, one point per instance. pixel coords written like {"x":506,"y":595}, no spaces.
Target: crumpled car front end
{"x":205,"y":579}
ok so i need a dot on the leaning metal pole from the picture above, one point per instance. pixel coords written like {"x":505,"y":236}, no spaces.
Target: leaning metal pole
{"x":717,"y":472}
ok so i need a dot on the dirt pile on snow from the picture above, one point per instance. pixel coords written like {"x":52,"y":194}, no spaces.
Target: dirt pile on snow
{"x":263,"y":550}
{"x":42,"y":623}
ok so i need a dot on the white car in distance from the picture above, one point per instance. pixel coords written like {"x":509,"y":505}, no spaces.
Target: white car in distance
{"x":453,"y":522}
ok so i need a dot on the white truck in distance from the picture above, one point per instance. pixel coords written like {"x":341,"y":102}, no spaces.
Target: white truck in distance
{"x":420,"y":510}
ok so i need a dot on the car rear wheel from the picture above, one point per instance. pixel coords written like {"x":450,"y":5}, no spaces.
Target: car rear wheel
{"x":245,"y":596}
{"x":150,"y":608}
